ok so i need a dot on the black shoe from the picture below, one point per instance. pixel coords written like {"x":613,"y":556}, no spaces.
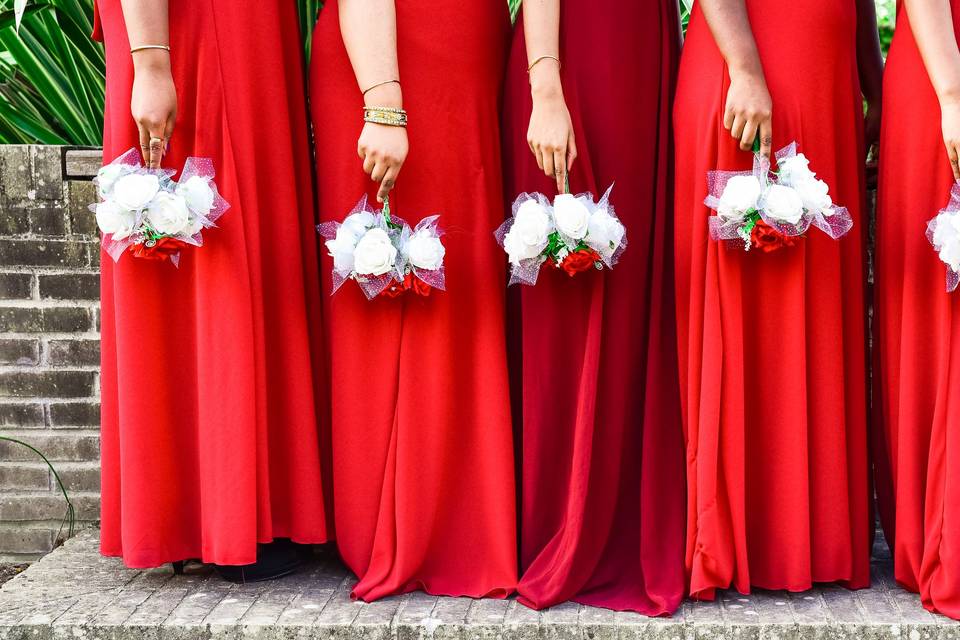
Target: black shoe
{"x":274,"y":560}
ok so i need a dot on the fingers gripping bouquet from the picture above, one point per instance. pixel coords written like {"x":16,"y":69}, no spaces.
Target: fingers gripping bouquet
{"x":146,"y":212}
{"x":767,"y":210}
{"x":943,"y":232}
{"x":574,"y":234}
{"x":383,"y":254}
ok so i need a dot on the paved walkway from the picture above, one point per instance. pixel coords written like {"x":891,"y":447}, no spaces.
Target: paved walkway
{"x":74,"y":593}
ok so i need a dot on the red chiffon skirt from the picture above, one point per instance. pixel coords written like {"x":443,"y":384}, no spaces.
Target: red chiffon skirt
{"x":423,"y":469}
{"x":211,"y":372}
{"x":918,"y":335}
{"x":772,"y":346}
{"x":603,"y":480}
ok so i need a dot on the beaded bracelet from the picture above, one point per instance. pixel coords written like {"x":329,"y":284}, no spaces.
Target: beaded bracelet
{"x":390,"y":116}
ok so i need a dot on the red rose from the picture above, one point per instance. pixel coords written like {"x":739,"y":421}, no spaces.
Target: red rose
{"x":420,"y":287}
{"x":578,"y":261}
{"x":410,"y":283}
{"x":767,"y":239}
{"x":163,"y":249}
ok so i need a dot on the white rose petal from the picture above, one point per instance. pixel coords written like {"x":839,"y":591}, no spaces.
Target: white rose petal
{"x":530,"y":232}
{"x":375,"y":254}
{"x":425,"y":250}
{"x":358,"y":223}
{"x":783,"y":204}
{"x":107,"y":177}
{"x":605,"y":232}
{"x":198,"y":194}
{"x":168,"y":214}
{"x":341,"y":249}
{"x":795,"y":169}
{"x":740,"y":195}
{"x":950,"y":253}
{"x":113,"y":220}
{"x":133,"y":192}
{"x":815,"y":194}
{"x":572,"y":216}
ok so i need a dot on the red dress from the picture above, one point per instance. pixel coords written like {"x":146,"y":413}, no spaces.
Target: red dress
{"x":211,"y":372}
{"x":918,"y":337}
{"x":423,"y":455}
{"x":772,"y":345}
{"x":603,"y":481}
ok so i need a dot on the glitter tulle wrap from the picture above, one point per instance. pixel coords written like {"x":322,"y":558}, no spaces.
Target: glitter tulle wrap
{"x":130,"y":163}
{"x":946,"y":240}
{"x":400,"y":233}
{"x":527,"y":271}
{"x":834,"y":221}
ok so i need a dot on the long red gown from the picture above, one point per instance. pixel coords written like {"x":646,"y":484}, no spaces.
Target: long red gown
{"x":423,"y":454}
{"x":918,"y":337}
{"x":211,"y":373}
{"x":772,"y":346}
{"x":603,"y":481}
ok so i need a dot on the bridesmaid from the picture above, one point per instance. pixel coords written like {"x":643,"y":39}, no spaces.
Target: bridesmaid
{"x":211,"y":372}
{"x":773,"y":345}
{"x":603,"y":481}
{"x":918,"y":322}
{"x":423,"y":469}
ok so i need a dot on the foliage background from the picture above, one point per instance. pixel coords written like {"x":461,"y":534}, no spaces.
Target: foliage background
{"x":52,"y":74}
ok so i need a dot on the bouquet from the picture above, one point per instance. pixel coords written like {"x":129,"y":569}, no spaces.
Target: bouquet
{"x":383,"y":254}
{"x":943,"y":232}
{"x":574,"y":234}
{"x":767,"y":211}
{"x":148,"y":213}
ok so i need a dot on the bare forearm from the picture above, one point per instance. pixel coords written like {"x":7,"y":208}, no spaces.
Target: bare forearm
{"x":932,"y":23}
{"x":541,"y":25}
{"x":730,"y":26}
{"x":869,"y":57}
{"x":369,"y":30}
{"x":147,"y":24}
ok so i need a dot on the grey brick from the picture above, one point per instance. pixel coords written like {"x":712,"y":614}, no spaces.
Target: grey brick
{"x":70,"y":286}
{"x":75,"y":414}
{"x":48,"y":221}
{"x":22,"y":540}
{"x":23,"y":477}
{"x":46,"y":384}
{"x":25,"y":352}
{"x":66,"y":448}
{"x":47,"y":172}
{"x":45,"y":253}
{"x":78,"y":477}
{"x":82,"y":220}
{"x":21,"y":415}
{"x":83,"y":163}
{"x":16,"y":286}
{"x":15,"y":171}
{"x":14,"y":220}
{"x":72,"y":352}
{"x":52,"y":320}
{"x":50,"y":506}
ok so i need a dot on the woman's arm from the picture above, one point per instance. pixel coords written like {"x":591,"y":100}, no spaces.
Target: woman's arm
{"x":749,"y":107}
{"x":153,"y":102}
{"x":369,"y":30}
{"x":550,"y":134}
{"x":932,"y":23}
{"x":870,"y":64}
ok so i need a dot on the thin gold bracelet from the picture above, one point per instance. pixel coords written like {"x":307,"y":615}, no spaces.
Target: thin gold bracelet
{"x":389,"y":116}
{"x":379,"y":84}
{"x":144,"y":47}
{"x":541,"y":59}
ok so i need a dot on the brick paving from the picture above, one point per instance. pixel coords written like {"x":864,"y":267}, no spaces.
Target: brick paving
{"x":75,"y":593}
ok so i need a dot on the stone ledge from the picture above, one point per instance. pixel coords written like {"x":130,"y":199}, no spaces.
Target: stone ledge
{"x":75,"y":593}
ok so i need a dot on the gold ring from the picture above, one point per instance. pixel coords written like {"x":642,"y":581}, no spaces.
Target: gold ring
{"x":156,"y":142}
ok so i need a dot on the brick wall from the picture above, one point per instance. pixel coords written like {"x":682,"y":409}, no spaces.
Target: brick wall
{"x":49,"y":343}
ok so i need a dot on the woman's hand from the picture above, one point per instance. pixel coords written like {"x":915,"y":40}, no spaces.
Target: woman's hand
{"x":550,"y":134}
{"x":749,"y":108}
{"x":950,"y":123}
{"x":153,"y":103}
{"x":383,"y":150}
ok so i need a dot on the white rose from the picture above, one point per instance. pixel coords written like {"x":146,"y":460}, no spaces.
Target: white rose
{"x":571,"y":216}
{"x":605,"y":232}
{"x":198,"y":194}
{"x":425,"y":250}
{"x":168,"y":214}
{"x":950,"y":254}
{"x":946,"y":239}
{"x":115,"y":221}
{"x":375,"y":254}
{"x":341,"y":249}
{"x":795,"y":169}
{"x":133,"y":192}
{"x":107,"y":177}
{"x":358,"y":223}
{"x":783,"y":204}
{"x":740,"y":195}
{"x":815,"y":194}
{"x":530,"y":232}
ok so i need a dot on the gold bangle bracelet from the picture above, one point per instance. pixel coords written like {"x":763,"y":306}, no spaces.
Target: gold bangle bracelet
{"x":145,"y":47}
{"x":541,"y":59}
{"x":389,"y":116}
{"x":379,"y":84}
